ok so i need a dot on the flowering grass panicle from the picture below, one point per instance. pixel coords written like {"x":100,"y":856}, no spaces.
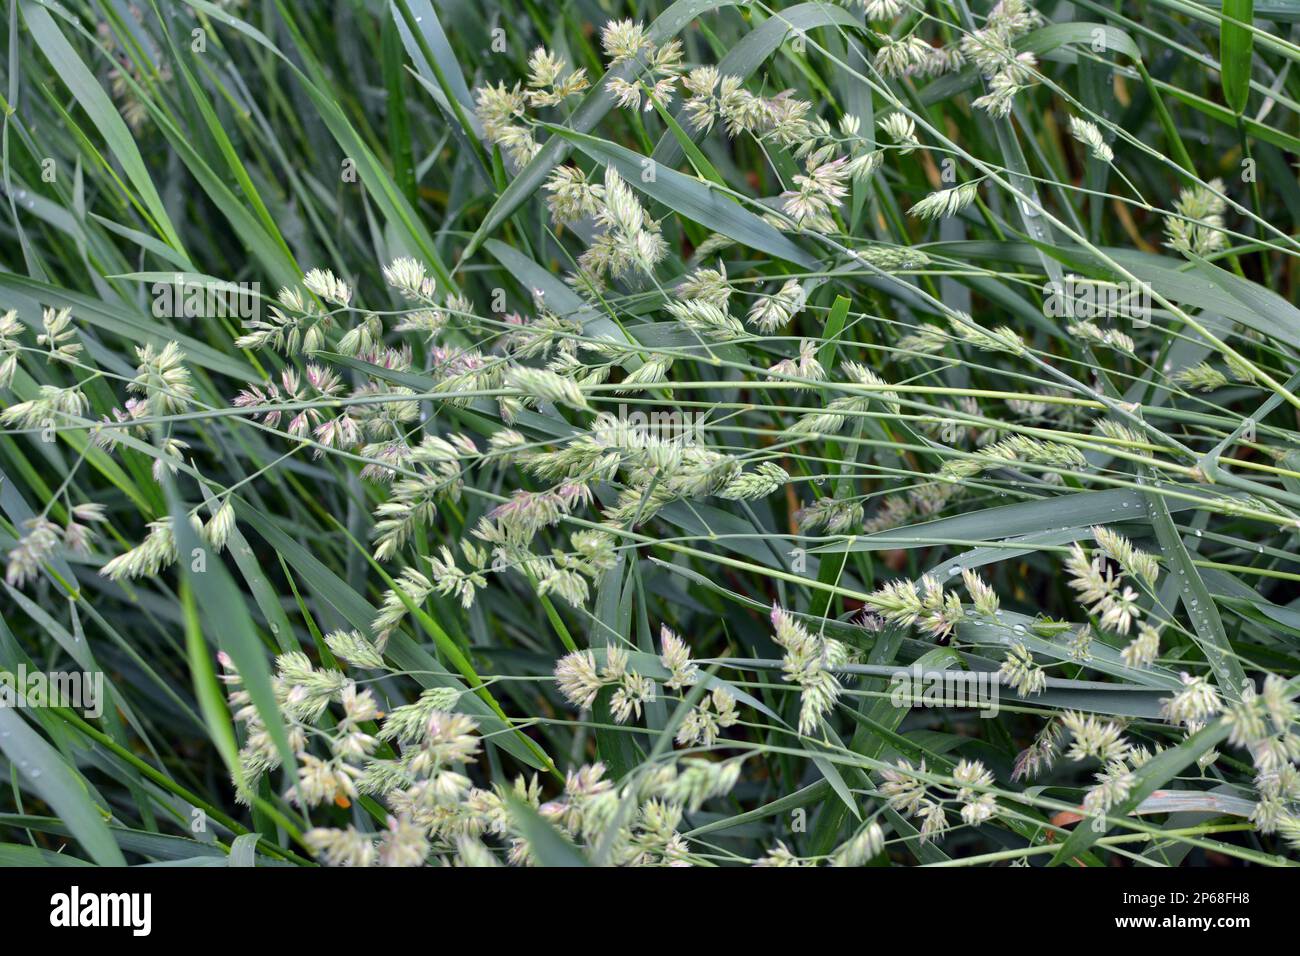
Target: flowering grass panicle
{"x":557,"y":439}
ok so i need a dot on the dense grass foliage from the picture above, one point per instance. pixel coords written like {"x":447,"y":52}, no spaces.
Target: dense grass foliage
{"x":694,"y":433}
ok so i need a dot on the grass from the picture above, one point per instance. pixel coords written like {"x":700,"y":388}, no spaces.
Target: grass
{"x":883,"y":450}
